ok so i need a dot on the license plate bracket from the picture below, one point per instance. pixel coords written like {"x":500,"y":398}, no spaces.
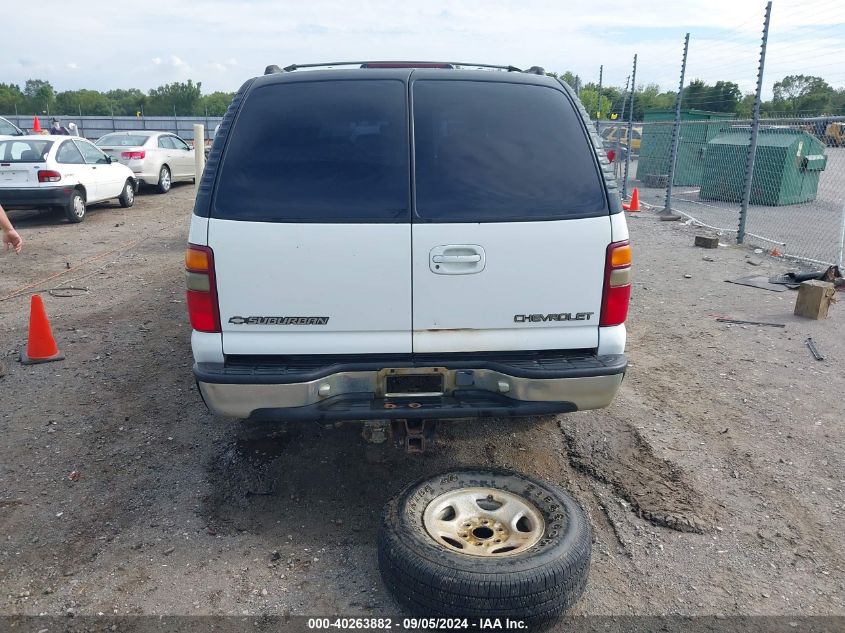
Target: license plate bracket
{"x":397,"y":384}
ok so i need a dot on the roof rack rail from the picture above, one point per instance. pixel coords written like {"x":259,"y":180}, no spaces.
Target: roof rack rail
{"x":273,"y":68}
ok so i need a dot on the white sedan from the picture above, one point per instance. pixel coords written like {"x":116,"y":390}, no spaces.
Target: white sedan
{"x":67,"y":173}
{"x":156,"y":158}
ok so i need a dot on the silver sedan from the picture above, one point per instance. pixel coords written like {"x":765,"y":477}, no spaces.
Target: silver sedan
{"x":156,"y":158}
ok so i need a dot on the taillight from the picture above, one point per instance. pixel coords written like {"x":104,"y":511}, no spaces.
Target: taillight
{"x":202,"y":289}
{"x":617,"y":284}
{"x":48,"y":175}
{"x":133,"y":155}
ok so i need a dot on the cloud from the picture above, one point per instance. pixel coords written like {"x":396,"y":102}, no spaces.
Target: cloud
{"x":72,"y":66}
{"x":177,"y":62}
{"x":240,"y":40}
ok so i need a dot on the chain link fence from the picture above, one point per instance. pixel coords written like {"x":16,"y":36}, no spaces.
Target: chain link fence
{"x":797,"y":201}
{"x":93,"y":127}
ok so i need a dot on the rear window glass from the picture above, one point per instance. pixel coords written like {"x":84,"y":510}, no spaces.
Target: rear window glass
{"x":489,"y":151}
{"x":122,"y":140}
{"x":318,"y":151}
{"x":15,"y":151}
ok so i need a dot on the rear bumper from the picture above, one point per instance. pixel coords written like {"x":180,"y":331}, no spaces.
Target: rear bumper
{"x":28,"y":198}
{"x":356,"y":391}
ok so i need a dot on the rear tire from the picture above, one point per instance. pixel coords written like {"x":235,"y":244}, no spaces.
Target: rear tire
{"x":127,"y":198}
{"x":165,"y":179}
{"x":75,"y":209}
{"x":535,"y":578}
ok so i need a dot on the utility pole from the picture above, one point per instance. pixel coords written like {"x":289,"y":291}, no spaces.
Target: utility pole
{"x":630,"y":128}
{"x":667,"y":213}
{"x":755,"y":128}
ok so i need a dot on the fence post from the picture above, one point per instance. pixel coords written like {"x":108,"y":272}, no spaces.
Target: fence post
{"x":667,"y":213}
{"x":841,"y":238}
{"x":616,"y":136}
{"x":630,"y":128}
{"x":199,"y":151}
{"x":755,"y":128}
{"x":597,"y":109}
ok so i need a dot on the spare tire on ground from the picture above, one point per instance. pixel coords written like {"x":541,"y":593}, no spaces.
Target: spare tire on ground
{"x":485,"y":543}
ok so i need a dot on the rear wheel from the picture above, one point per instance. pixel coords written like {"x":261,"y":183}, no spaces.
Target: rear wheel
{"x":127,"y":198}
{"x":485,"y":543}
{"x":164,"y":179}
{"x":75,"y":209}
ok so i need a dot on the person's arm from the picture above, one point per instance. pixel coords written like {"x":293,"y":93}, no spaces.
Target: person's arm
{"x":10,"y":236}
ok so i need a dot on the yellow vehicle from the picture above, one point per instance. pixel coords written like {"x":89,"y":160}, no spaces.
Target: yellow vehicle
{"x":619,"y":134}
{"x":834,"y":134}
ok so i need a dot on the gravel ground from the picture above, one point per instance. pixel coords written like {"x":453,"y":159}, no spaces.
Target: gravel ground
{"x":714,"y":482}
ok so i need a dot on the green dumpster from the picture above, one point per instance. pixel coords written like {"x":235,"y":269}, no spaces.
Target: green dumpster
{"x":695,"y":130}
{"x":787,"y":166}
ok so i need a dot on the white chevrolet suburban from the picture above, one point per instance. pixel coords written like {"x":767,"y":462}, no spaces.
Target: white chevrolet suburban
{"x":407,"y":241}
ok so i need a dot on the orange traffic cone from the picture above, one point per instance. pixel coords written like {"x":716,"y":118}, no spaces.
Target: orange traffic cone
{"x":36,"y":124}
{"x":775,"y":252}
{"x":635,"y":200}
{"x":41,"y":346}
{"x":634,"y":204}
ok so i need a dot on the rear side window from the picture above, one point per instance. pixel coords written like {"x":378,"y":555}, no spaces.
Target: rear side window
{"x":68,"y":153}
{"x":501,"y":152}
{"x":318,"y":151}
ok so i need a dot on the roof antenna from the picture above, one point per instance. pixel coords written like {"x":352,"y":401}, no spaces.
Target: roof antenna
{"x":535,"y":70}
{"x":272,"y":69}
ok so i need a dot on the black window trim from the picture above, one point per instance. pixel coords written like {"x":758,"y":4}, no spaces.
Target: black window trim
{"x":416,"y":219}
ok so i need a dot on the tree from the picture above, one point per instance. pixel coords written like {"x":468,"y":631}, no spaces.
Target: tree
{"x":127,"y":102}
{"x":177,"y":98}
{"x":85,"y":102}
{"x":745,"y":108}
{"x":40,"y":96}
{"x":724,"y":96}
{"x":596,"y":108}
{"x":11,"y":98}
{"x":214,"y":104}
{"x":803,"y":94}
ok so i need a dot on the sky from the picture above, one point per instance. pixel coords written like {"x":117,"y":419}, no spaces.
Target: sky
{"x":105,"y":44}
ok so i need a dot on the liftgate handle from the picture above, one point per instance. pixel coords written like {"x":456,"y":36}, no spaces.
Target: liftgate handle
{"x":456,"y":259}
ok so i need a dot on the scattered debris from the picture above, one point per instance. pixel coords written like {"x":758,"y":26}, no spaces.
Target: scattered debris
{"x":814,"y":299}
{"x":705,"y":241}
{"x":758,"y":281}
{"x":813,"y":349}
{"x":758,"y":251}
{"x":754,"y":262}
{"x":741,"y":322}
{"x":687,"y":276}
{"x":169,"y":551}
{"x":74,"y":475}
{"x":707,"y":258}
{"x":793,"y":279}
